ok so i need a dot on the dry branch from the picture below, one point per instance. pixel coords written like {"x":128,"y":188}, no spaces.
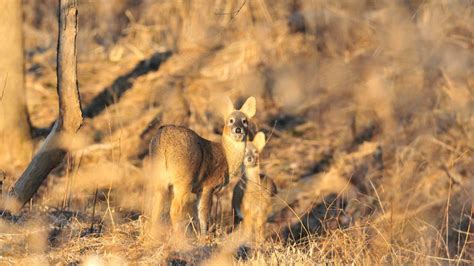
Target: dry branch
{"x":55,"y":146}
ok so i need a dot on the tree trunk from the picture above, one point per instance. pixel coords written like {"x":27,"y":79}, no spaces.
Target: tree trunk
{"x":16,"y":146}
{"x":55,"y":146}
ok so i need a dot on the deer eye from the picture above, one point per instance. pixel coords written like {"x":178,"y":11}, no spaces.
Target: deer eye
{"x":244,"y":121}
{"x":231,"y":120}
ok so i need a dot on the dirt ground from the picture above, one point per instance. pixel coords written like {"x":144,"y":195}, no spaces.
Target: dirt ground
{"x":368,"y":108}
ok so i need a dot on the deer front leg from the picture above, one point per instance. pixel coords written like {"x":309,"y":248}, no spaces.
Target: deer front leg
{"x":248,"y":225}
{"x":204,"y":208}
{"x":237,"y":196}
{"x":260,"y":227}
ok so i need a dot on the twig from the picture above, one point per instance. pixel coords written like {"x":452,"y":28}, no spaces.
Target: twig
{"x":4,"y":88}
{"x":271,"y":132}
{"x":93,"y":210}
{"x":466,"y":239}
{"x":234,"y":13}
{"x":451,"y":178}
{"x":447,"y":216}
{"x":446,"y":146}
{"x":433,"y":257}
{"x":377,"y":194}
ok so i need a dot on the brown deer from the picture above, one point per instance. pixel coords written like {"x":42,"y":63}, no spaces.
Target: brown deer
{"x":253,"y":194}
{"x":193,"y":168}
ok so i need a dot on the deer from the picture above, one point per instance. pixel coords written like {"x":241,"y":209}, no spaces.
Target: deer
{"x":253,"y":194}
{"x":188,"y":169}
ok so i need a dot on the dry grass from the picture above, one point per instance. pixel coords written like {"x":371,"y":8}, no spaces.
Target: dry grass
{"x":370,"y":100}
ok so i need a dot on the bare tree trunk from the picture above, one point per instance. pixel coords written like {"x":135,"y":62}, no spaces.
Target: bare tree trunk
{"x":55,"y":146}
{"x":16,"y":146}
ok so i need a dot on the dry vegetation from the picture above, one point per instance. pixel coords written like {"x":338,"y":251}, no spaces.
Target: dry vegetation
{"x":369,"y":107}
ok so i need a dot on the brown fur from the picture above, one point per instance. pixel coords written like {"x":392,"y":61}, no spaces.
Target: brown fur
{"x":253,"y":195}
{"x":194,"y":168}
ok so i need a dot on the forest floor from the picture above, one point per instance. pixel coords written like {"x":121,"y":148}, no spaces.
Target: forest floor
{"x":368,"y":109}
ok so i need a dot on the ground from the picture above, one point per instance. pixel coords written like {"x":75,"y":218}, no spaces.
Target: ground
{"x":367,"y":107}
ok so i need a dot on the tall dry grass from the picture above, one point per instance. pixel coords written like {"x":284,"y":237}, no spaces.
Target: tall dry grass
{"x":370,"y":100}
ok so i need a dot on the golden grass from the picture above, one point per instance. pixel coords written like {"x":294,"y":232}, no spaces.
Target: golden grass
{"x":362,"y":75}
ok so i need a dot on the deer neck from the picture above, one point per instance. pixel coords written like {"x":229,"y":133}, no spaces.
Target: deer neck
{"x":253,"y":175}
{"x":234,"y":154}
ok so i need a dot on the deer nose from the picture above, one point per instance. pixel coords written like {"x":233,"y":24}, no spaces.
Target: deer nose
{"x":249,"y":159}
{"x":238,"y":130}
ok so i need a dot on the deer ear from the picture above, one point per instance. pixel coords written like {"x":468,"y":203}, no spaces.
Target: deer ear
{"x":250,"y":107}
{"x":259,"y":141}
{"x":225,"y":107}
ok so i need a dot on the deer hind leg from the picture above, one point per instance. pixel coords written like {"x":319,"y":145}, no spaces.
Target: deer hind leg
{"x":204,"y":209}
{"x":181,"y":208}
{"x":161,"y":201}
{"x":157,"y":195}
{"x":156,"y":211}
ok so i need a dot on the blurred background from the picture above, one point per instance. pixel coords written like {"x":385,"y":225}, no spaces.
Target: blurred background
{"x":368,"y":103}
